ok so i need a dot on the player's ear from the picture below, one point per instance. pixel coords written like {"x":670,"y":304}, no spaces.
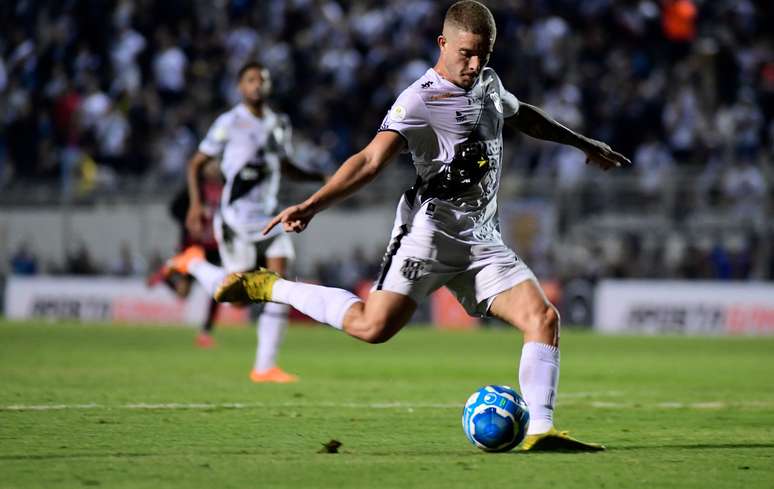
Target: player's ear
{"x":441,"y":41}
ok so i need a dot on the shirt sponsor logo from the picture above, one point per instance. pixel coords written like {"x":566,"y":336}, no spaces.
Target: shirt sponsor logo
{"x":441,"y":96}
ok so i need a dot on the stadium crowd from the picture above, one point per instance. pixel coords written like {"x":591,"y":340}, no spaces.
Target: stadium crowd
{"x":96,"y":93}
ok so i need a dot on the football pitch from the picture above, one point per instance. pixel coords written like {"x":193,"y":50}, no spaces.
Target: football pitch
{"x":114,"y":407}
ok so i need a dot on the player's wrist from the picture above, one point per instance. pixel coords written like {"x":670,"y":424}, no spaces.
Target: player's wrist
{"x":312,"y":204}
{"x":583,"y":143}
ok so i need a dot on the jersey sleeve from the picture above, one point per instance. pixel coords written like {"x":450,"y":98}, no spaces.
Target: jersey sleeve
{"x":284,"y":135}
{"x":509,"y":101}
{"x":217,"y":136}
{"x":408,"y":117}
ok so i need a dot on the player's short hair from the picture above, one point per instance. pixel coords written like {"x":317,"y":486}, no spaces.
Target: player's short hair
{"x":265,"y":75}
{"x":250,"y":65}
{"x":471,"y":16}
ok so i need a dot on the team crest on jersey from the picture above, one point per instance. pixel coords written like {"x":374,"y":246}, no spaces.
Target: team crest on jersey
{"x":412,"y":268}
{"x":497,"y":103}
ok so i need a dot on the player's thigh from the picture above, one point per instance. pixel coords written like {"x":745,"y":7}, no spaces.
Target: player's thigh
{"x":277,"y":264}
{"x":380,"y":317}
{"x":236,"y":253}
{"x":278,"y":252}
{"x":493,"y":268}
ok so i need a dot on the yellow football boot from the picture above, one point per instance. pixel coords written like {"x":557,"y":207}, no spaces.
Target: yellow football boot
{"x":246,"y":287}
{"x":557,"y":441}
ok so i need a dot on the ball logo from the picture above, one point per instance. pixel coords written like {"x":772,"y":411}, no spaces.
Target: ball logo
{"x":398,"y":113}
{"x":490,"y":398}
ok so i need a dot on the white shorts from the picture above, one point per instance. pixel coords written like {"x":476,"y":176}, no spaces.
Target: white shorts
{"x":420,"y":260}
{"x":239,"y":254}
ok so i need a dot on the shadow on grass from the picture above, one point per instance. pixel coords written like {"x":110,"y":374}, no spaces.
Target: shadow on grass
{"x":613,"y":449}
{"x":694,"y":446}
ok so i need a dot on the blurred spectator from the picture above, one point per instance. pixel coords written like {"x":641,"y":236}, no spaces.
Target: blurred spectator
{"x":127,"y":263}
{"x":599,"y":65}
{"x":79,"y":261}
{"x":654,"y":164}
{"x":744,"y":187}
{"x":679,"y":20}
{"x":95,"y":106}
{"x":169,"y":66}
{"x":24,"y":261}
{"x":112,"y":131}
{"x":127,"y":46}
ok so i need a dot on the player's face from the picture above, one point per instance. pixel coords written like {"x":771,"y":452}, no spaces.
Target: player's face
{"x":463,"y":55}
{"x":251,"y":86}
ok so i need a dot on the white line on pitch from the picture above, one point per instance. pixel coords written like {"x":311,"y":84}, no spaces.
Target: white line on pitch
{"x":380,"y":405}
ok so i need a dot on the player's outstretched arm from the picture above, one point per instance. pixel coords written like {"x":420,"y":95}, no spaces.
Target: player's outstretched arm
{"x":358,"y":170}
{"x":193,"y":218}
{"x":291,"y":170}
{"x":536,"y":123}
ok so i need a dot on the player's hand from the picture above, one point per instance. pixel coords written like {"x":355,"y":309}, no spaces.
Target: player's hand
{"x":193,"y":220}
{"x":603,"y":156}
{"x":294,"y":219}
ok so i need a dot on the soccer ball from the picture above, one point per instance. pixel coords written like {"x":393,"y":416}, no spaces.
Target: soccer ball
{"x":495,"y":418}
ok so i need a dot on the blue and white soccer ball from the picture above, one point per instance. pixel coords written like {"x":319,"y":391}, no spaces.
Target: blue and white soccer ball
{"x":495,"y":418}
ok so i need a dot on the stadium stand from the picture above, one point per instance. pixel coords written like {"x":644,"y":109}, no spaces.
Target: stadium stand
{"x":105,"y":101}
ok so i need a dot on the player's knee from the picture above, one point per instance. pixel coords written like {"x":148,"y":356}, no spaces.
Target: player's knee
{"x":544,"y":321}
{"x":375,"y":334}
{"x":377,"y":330}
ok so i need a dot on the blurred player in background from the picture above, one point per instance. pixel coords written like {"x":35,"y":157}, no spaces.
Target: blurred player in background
{"x":446,"y":228}
{"x":210,"y":188}
{"x":253,"y":145}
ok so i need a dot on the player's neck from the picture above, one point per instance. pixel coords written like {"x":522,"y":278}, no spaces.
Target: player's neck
{"x":441,"y":71}
{"x":255,"y":108}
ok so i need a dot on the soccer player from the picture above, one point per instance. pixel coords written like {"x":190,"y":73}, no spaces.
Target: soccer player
{"x":446,"y":230}
{"x":253,"y":144}
{"x":210,"y":186}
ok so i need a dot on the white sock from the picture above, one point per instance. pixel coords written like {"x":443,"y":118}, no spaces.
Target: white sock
{"x":271,"y":329}
{"x":539,"y":378}
{"x":207,"y":274}
{"x":323,"y":304}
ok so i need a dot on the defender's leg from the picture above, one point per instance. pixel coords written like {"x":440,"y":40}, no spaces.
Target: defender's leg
{"x":272,"y":324}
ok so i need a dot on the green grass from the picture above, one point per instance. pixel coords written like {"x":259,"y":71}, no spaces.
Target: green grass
{"x":674,"y":412}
